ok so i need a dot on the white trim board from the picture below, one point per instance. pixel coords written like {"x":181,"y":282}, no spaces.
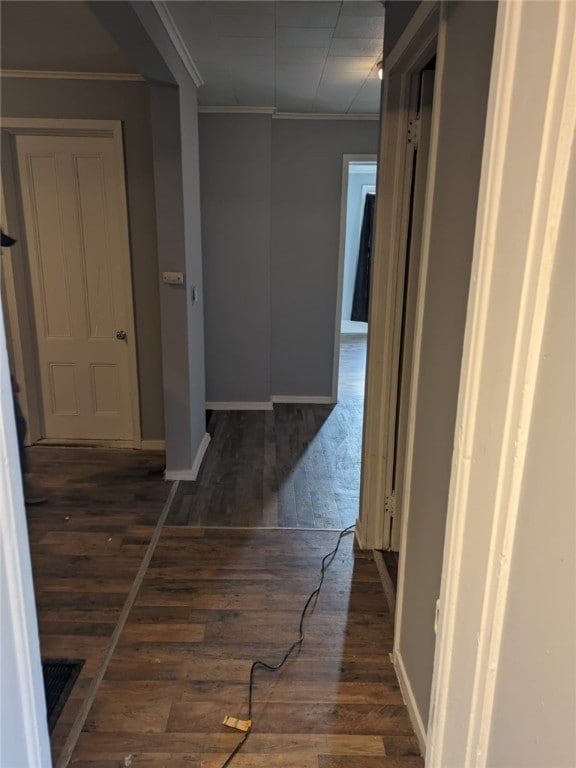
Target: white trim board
{"x":303,"y":399}
{"x":192,"y":473}
{"x":410,"y":700}
{"x":324,"y":116}
{"x":43,"y":74}
{"x":238,"y":405}
{"x":273,"y":112}
{"x":22,"y":692}
{"x":391,"y":230}
{"x":237,"y":110}
{"x":173,"y":32}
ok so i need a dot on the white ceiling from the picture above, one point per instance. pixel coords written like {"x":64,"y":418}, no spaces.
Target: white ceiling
{"x":292,"y":56}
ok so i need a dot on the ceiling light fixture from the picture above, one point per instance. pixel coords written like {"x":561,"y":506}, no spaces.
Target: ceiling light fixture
{"x":380,"y":72}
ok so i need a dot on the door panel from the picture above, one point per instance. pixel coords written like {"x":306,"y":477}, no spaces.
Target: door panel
{"x":78,"y":274}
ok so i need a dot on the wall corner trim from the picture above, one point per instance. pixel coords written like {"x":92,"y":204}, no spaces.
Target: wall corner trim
{"x":192,"y":473}
{"x":410,"y":701}
{"x":178,"y":41}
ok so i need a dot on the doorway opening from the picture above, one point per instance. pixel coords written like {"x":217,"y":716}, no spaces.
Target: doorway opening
{"x":418,"y":149}
{"x":357,"y":220}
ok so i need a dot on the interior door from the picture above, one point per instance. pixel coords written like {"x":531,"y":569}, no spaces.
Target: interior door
{"x":79,"y":270}
{"x":420,"y":145}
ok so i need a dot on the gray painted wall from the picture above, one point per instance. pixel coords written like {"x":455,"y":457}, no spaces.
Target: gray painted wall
{"x":129,"y":102}
{"x":469,"y":41}
{"x":235,"y":181}
{"x":271,"y":196}
{"x":398,"y":14}
{"x":306,"y":199}
{"x":536,"y":685}
{"x":137,"y":28}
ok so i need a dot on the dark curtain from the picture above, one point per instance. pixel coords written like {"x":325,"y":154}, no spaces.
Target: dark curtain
{"x":362,"y":284}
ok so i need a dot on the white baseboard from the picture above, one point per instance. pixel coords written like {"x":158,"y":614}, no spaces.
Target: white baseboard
{"x":192,"y":473}
{"x":387,"y":585}
{"x":303,"y":399}
{"x":410,"y":701}
{"x":242,"y":405}
{"x":153,"y":445}
{"x":354,"y":327}
{"x":360,"y":534}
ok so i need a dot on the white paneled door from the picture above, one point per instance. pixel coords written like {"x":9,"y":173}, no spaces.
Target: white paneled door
{"x":74,"y":212}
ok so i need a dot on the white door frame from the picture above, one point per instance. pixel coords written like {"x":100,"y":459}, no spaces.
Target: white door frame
{"x":24,"y":737}
{"x":531,"y":96}
{"x":19,"y":297}
{"x":346,"y":161}
{"x":412,"y":52}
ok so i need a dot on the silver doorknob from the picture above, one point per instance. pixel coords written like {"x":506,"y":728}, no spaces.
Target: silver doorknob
{"x":121,"y":335}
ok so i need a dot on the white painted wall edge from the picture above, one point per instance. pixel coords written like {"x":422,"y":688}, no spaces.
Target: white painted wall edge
{"x":22,"y":699}
{"x":410,"y":701}
{"x":510,"y":285}
{"x":238,"y":405}
{"x":192,"y":473}
{"x":178,"y":41}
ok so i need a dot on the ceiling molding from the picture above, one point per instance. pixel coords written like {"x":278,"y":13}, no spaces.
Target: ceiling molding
{"x":238,"y":110}
{"x":54,"y":75}
{"x":273,"y":112}
{"x":178,"y":41}
{"x":324,"y":116}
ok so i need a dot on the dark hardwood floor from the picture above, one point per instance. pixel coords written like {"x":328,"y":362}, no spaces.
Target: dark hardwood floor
{"x":169,"y":641}
{"x":87,"y":543}
{"x":214,"y":600}
{"x":297,"y":466}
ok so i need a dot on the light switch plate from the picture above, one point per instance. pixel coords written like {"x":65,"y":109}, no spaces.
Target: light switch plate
{"x":173,"y":278}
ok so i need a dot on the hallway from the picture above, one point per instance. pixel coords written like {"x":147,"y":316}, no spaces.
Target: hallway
{"x":297,"y":466}
{"x":173,"y":652}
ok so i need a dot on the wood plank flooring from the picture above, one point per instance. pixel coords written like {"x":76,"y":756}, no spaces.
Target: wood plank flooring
{"x":87,"y":543}
{"x":297,"y":466}
{"x":212,"y":601}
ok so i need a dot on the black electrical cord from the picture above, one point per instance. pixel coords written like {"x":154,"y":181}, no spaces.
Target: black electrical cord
{"x":326,"y":562}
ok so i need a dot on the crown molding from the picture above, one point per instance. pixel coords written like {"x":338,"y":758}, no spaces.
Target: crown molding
{"x":35,"y":74}
{"x":238,"y":110}
{"x":273,"y":112}
{"x":325,"y":116}
{"x":178,"y":41}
